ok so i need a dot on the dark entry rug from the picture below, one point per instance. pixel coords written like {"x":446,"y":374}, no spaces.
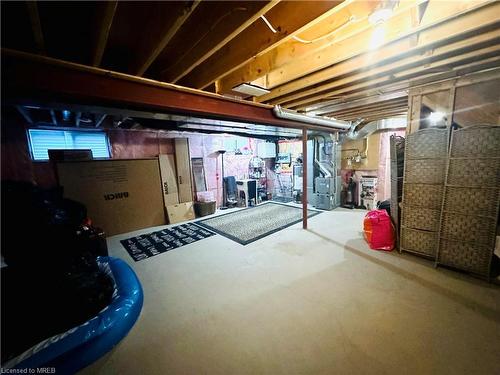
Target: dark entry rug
{"x":151,"y":244}
{"x":250,"y":224}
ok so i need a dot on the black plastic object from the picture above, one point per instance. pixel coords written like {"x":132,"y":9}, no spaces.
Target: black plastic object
{"x":384,"y":205}
{"x":50,"y":249}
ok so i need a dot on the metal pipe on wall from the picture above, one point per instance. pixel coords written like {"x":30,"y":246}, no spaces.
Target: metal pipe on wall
{"x":304,"y":178}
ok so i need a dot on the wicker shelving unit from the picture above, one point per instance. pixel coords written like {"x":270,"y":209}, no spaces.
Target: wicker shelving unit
{"x":397,"y":149}
{"x":424,"y":172}
{"x":469,"y":214}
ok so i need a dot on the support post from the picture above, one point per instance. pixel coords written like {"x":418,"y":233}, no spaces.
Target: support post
{"x":304,"y":178}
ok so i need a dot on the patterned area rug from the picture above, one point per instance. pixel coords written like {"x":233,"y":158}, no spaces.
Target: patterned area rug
{"x":151,"y":244}
{"x":249,"y":225}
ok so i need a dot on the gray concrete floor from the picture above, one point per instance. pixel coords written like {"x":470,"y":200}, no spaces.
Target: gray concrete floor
{"x":305,"y":302}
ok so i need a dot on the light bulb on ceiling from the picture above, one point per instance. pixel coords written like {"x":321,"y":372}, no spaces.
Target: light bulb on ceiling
{"x":435,"y":117}
{"x":382,"y":13}
{"x":378,"y":37}
{"x":380,"y":16}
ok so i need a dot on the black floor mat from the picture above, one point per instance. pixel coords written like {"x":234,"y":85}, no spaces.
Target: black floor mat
{"x":250,"y":224}
{"x":151,"y":244}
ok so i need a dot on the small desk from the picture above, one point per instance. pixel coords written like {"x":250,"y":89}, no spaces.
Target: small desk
{"x":247,"y":191}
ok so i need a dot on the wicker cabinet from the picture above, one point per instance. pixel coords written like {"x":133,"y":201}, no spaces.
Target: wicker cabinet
{"x":469,"y":214}
{"x":397,"y":148}
{"x":424,"y":173}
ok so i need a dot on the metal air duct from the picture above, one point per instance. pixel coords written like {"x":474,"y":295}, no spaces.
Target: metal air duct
{"x":288,"y":114}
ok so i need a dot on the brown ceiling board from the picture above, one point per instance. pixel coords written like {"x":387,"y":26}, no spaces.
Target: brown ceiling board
{"x":415,"y":58}
{"x":429,"y":69}
{"x":216,"y":25}
{"x":288,"y":17}
{"x":68,"y":29}
{"x":399,"y":103}
{"x":330,"y":106}
{"x":105,"y":14}
{"x":36,"y":26}
{"x":29,"y":78}
{"x":336,"y":27}
{"x":154,"y":47}
{"x":133,"y":24}
{"x":370,"y":115}
{"x":353,"y":53}
{"x":16,"y":27}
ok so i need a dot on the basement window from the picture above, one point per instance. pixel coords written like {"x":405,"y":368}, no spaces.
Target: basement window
{"x":42,"y":140}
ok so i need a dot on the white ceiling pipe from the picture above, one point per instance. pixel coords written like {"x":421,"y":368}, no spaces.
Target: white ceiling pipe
{"x":311,"y":119}
{"x":375,"y":126}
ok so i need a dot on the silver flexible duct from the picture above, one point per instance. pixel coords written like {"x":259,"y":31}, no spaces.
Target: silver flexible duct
{"x":310,"y":119}
{"x":373,"y":127}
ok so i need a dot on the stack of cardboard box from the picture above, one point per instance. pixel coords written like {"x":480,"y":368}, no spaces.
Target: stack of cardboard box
{"x":126,"y":195}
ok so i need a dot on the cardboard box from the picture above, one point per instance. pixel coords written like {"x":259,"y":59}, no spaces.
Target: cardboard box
{"x":120,"y":195}
{"x":180,"y":212}
{"x":168,"y":180}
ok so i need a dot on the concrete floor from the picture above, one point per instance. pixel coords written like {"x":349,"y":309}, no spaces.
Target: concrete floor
{"x":305,"y":302}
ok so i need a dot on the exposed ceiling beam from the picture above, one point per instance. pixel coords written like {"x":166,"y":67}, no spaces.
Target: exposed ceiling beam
{"x":353,"y":53}
{"x":288,"y":18}
{"x":77,"y":119}
{"x":25,"y":113}
{"x":157,"y":46}
{"x":328,"y":107}
{"x":185,"y":64}
{"x":99,"y":121}
{"x":106,"y":15}
{"x":341,"y":22}
{"x":36,"y":26}
{"x":430,"y":69}
{"x":53,"y":117}
{"x":423,"y":61}
{"x":29,"y":78}
{"x":389,"y":105}
{"x":459,"y":37}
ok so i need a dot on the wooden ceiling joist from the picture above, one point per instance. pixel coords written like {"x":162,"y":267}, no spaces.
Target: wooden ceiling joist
{"x":288,"y":18}
{"x":53,"y":117}
{"x":30,"y":78}
{"x":36,"y":26}
{"x":206,"y":48}
{"x":432,"y":69}
{"x":435,"y":58}
{"x":331,"y":106}
{"x":382,"y":106}
{"x":342,"y":21}
{"x":428,"y":38}
{"x":156,"y":47}
{"x":106,"y":15}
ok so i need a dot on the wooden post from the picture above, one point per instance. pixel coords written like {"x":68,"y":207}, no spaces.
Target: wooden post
{"x":304,"y":178}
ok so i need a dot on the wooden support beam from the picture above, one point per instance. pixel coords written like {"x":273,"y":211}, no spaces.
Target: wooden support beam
{"x":353,"y":53}
{"x":288,"y":18}
{"x":99,"y":121}
{"x":329,"y":107}
{"x":145,"y":61}
{"x":423,"y":60}
{"x":106,"y":20}
{"x":196,"y":56}
{"x":25,"y":113}
{"x":53,"y":116}
{"x":304,"y":178}
{"x":375,"y":105}
{"x":36,"y":26}
{"x":337,"y":26}
{"x":77,"y":119}
{"x":28,"y":77}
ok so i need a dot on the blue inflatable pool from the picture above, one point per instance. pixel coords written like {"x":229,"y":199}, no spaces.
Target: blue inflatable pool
{"x":80,"y":346}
